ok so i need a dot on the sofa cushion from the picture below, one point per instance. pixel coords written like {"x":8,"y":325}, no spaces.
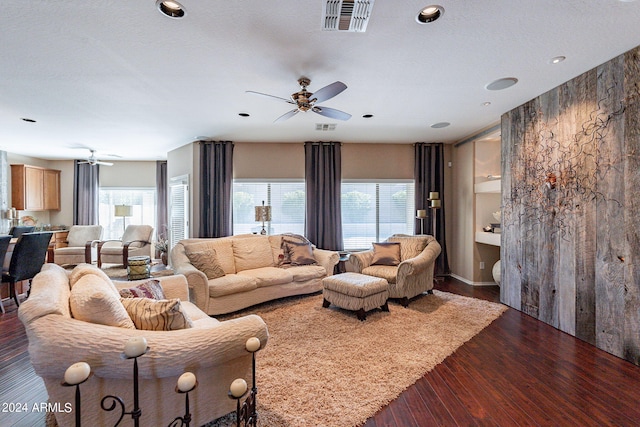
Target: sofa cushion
{"x":302,"y":273}
{"x":223,"y":248}
{"x":153,"y":315}
{"x":231,"y":284}
{"x":410,"y":246}
{"x":252,"y":252}
{"x":388,"y":272}
{"x":150,"y":289}
{"x":205,"y":260}
{"x":268,"y":276}
{"x":88,"y":269}
{"x":199,"y":318}
{"x":92,"y":300}
{"x":301,"y":253}
{"x":386,"y":253}
{"x":288,"y":240}
{"x":79,"y":235}
{"x":139,"y":235}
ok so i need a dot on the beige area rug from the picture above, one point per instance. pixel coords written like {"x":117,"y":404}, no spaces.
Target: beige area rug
{"x":323,"y":367}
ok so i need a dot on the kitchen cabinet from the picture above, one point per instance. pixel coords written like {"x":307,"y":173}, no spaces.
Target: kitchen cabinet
{"x":34,"y":188}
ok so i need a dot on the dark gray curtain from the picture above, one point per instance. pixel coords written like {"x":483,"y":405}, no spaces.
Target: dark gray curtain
{"x":216,"y":178}
{"x":162,"y":221}
{"x":323,"y":173}
{"x":429,"y":176}
{"x":85,"y":193}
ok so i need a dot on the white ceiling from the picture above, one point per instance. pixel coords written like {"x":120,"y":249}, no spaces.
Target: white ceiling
{"x":120,"y":77}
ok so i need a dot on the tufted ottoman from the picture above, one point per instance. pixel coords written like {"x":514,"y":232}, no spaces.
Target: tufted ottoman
{"x":356,"y":292}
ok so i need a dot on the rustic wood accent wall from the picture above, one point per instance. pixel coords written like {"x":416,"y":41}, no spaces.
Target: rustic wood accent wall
{"x":571,"y":207}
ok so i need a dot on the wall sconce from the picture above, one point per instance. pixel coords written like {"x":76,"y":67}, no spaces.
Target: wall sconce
{"x":263,"y":214}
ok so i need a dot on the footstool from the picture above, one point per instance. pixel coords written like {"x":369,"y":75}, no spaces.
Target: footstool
{"x":356,"y":292}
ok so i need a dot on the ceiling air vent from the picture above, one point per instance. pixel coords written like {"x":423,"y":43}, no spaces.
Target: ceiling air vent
{"x":325,"y":126}
{"x":346,"y":15}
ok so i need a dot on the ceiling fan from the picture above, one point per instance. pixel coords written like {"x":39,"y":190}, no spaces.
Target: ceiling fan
{"x":93,"y":160}
{"x":307,"y":101}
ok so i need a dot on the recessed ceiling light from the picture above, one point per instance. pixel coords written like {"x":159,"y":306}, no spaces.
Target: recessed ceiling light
{"x":243,"y":114}
{"x":24,"y":119}
{"x":486,"y":104}
{"x":367,"y":116}
{"x":171,"y":8}
{"x":429,"y":14}
{"x":440,"y":125}
{"x":557,"y":59}
{"x":501,"y":84}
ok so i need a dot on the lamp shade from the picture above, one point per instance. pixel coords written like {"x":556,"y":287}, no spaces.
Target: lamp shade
{"x":263,"y":213}
{"x":124,"y":210}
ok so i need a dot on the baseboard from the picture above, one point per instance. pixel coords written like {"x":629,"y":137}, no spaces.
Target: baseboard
{"x":472,"y":283}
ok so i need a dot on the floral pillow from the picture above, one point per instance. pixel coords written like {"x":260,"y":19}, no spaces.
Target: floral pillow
{"x":151,"y":289}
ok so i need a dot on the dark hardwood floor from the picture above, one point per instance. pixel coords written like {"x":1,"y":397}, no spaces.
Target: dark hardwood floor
{"x":516,"y":372}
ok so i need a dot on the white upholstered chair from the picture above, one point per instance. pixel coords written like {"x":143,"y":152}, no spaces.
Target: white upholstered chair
{"x":412,"y":276}
{"x":82,"y":244}
{"x":136,"y":241}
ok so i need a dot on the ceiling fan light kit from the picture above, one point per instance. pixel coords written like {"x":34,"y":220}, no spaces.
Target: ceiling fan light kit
{"x":307,"y":101}
{"x":93,"y":160}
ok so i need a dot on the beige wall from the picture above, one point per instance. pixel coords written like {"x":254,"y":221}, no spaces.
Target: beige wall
{"x":185,"y":161}
{"x":460,"y":251}
{"x":286,"y":160}
{"x":270,"y":161}
{"x":128,"y":174}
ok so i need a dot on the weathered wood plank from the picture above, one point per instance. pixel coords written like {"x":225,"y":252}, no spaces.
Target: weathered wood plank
{"x":610,"y":235}
{"x":584,"y":203}
{"x":632,"y":207}
{"x":571,"y":207}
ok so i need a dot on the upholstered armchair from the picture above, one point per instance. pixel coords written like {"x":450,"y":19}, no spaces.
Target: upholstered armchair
{"x":82,"y":242}
{"x":409,"y":271}
{"x":136,"y":241}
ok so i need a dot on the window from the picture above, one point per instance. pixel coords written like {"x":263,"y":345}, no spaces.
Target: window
{"x":142,"y":201}
{"x":373,"y":211}
{"x":287,"y":201}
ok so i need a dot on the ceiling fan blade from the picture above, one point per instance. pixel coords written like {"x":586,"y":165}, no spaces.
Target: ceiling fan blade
{"x":270,"y":96}
{"x":331,"y":113}
{"x":100,"y":162}
{"x":328,"y":91}
{"x":286,"y":116}
{"x":82,"y":162}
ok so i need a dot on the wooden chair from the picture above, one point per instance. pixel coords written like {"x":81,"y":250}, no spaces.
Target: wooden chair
{"x":82,"y":240}
{"x":136,"y":241}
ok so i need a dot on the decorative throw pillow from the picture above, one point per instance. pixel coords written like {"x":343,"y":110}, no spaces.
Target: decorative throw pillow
{"x":92,"y":300}
{"x":301,"y":254}
{"x":289,"y":239}
{"x":206,"y":261}
{"x":153,"y":315}
{"x":151,"y":289}
{"x":386,"y":254}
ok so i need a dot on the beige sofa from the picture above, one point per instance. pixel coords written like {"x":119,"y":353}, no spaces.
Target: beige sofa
{"x":214,"y":351}
{"x":252,"y":272}
{"x":414,"y":273}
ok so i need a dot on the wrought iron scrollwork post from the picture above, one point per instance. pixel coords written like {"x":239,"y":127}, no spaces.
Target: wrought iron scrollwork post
{"x":133,"y":350}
